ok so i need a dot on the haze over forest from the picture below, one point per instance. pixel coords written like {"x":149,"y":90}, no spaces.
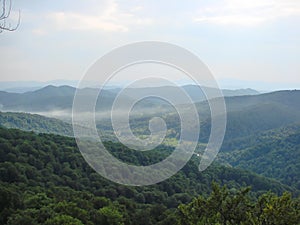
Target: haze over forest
{"x":242,"y":122}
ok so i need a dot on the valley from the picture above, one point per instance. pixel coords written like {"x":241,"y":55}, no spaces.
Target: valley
{"x":42,"y":170}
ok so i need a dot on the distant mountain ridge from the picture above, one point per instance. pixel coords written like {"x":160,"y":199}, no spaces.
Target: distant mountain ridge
{"x":44,"y":99}
{"x":25,"y":86}
{"x":196,"y":93}
{"x":61,"y":98}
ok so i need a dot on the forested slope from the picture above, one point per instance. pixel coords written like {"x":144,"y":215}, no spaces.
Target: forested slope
{"x":274,"y":153}
{"x":35,"y":122}
{"x":44,"y":180}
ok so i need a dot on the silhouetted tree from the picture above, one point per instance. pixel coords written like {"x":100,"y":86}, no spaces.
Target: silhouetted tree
{"x":4,"y":15}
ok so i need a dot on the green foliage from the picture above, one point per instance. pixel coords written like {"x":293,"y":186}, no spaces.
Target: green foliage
{"x":45,"y":180}
{"x":235,"y":207}
{"x":63,"y":219}
{"x":36,"y":123}
{"x":274,"y":154}
{"x":271,"y":209}
{"x":110,"y":215}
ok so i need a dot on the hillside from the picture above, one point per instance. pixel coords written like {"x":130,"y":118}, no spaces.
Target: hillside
{"x":49,"y":98}
{"x":287,"y":98}
{"x":247,"y":115}
{"x":274,"y":154}
{"x":45,"y":179}
{"x":36,"y":123}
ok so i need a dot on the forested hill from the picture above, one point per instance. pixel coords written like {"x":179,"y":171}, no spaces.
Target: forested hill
{"x":35,"y":122}
{"x":288,"y":98}
{"x":44,"y":180}
{"x":274,"y":153}
{"x":249,"y":115}
{"x":49,"y":98}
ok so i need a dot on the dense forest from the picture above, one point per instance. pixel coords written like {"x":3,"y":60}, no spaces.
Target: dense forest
{"x":200,"y":125}
{"x":35,"y":122}
{"x":44,"y":180}
{"x":274,"y":153}
{"x":255,"y":179}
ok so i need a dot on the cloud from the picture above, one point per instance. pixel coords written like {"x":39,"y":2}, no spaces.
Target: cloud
{"x":76,"y":21}
{"x":39,"y":31}
{"x":248,"y":13}
{"x":111,"y":19}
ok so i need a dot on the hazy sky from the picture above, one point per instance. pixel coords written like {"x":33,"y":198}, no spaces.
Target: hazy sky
{"x":253,"y":42}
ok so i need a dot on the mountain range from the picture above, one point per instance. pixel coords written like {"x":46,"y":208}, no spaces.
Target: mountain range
{"x":51,"y":98}
{"x":45,"y":180}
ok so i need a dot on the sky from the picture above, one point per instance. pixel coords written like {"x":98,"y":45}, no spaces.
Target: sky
{"x":253,"y":44}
